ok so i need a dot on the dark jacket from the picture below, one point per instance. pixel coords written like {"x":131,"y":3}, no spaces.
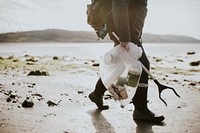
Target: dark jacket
{"x":127,"y":19}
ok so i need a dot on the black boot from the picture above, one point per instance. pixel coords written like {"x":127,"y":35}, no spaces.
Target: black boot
{"x":97,"y":95}
{"x":141,"y":111}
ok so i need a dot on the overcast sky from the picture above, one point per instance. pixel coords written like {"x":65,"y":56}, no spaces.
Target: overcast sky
{"x":180,"y":17}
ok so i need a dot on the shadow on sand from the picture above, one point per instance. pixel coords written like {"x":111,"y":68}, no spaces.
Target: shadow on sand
{"x":103,"y":126}
{"x":146,"y":127}
{"x":100,"y":122}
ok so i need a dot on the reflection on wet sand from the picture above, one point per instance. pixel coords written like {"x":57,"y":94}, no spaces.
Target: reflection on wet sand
{"x":102,"y":125}
{"x":100,"y":122}
{"x":146,"y":127}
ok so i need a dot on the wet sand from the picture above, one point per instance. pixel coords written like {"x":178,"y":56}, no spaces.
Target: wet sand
{"x":71,"y":77}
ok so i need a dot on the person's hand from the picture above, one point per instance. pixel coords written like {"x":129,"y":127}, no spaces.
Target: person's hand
{"x":124,"y":45}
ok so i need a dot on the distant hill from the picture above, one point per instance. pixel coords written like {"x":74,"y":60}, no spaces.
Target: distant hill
{"x":49,"y":35}
{"x":56,"y":35}
{"x":152,"y":38}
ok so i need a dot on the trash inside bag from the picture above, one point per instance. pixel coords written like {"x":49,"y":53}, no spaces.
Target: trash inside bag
{"x":120,"y":72}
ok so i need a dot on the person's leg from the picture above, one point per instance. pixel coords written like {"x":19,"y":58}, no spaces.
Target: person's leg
{"x":137,"y":17}
{"x":137,"y":14}
{"x":120,"y":14}
{"x":141,"y":111}
{"x":114,"y":23}
{"x":97,"y":95}
{"x":99,"y":88}
{"x":140,"y":97}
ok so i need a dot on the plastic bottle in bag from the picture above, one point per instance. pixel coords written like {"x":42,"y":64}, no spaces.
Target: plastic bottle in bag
{"x":112,"y":65}
{"x":131,"y":82}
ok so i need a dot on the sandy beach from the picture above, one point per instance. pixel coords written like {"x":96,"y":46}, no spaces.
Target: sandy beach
{"x":66,"y":73}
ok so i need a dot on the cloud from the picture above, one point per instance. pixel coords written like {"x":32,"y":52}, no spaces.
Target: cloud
{"x":19,"y":15}
{"x":173,"y":17}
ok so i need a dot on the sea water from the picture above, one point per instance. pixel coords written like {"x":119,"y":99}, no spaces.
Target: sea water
{"x":94,"y":49}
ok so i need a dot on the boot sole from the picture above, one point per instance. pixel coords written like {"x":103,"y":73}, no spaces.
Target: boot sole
{"x":152,"y":120}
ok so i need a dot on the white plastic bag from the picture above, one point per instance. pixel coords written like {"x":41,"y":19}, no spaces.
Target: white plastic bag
{"x":120,"y":72}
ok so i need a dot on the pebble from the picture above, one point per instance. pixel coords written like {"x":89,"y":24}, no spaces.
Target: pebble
{"x":95,"y":64}
{"x":27,"y":104}
{"x":8,"y":99}
{"x":80,"y":92}
{"x":38,"y":73}
{"x":195,"y":63}
{"x":190,"y":53}
{"x":55,"y":58}
{"x":50,"y":103}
